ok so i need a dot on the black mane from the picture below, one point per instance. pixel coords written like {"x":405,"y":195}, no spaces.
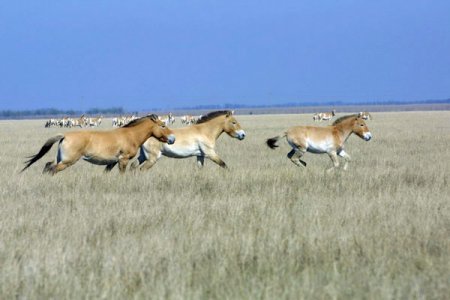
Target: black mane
{"x":343,"y":118}
{"x":135,"y":122}
{"x":212,"y":115}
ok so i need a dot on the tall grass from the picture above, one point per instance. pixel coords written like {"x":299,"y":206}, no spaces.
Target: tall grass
{"x":263,"y":229}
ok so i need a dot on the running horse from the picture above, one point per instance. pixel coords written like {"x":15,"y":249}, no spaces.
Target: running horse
{"x":196,"y":140}
{"x":319,"y":140}
{"x":103,"y":147}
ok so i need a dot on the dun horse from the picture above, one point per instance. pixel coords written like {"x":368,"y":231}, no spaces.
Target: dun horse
{"x":196,"y":140}
{"x":329,"y":139}
{"x":103,"y":147}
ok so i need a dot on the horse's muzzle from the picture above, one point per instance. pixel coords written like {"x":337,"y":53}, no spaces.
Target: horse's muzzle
{"x":367,"y":136}
{"x":171,"y":139}
{"x":240,"y":135}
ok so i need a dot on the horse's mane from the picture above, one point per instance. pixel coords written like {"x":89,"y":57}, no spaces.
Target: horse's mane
{"x":213,"y":115}
{"x":135,"y":122}
{"x":343,"y":118}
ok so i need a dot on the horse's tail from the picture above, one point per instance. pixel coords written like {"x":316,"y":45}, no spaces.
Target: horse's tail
{"x":272,"y":142}
{"x":47,"y":146}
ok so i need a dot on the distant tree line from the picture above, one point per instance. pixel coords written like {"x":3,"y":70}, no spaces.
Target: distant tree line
{"x":317,"y":103}
{"x":44,"y":112}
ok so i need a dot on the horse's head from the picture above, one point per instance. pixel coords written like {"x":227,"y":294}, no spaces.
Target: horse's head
{"x":161,"y":131}
{"x":232,"y":127}
{"x":360,"y":129}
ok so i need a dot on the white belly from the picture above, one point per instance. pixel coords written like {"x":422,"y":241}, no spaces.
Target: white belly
{"x":318,"y":146}
{"x":181,"y":151}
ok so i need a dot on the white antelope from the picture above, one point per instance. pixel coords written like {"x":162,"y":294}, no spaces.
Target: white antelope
{"x":324,"y":116}
{"x":94,"y":122}
{"x":167,"y":119}
{"x":365,"y":115}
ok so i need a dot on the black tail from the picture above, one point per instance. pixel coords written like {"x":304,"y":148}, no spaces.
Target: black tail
{"x":272,"y":143}
{"x":47,"y":146}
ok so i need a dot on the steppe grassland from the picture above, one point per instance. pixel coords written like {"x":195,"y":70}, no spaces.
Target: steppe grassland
{"x":263,"y":229}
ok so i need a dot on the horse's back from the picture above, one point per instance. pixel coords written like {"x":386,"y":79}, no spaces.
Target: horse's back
{"x":309,"y":132}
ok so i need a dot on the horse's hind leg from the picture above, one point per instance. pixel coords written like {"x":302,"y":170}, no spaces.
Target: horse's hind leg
{"x":151,"y":160}
{"x":148,"y":164}
{"x":142,"y":157}
{"x":48,"y":167}
{"x":53,"y":169}
{"x":295,"y":156}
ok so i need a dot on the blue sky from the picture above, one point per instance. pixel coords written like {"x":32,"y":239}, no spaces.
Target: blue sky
{"x":165,"y":54}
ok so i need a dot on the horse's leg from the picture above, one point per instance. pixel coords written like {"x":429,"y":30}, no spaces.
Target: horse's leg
{"x":152,"y":158}
{"x":295,"y":156}
{"x":64,"y":159}
{"x":148,"y":163}
{"x":212,"y":155}
{"x":123,"y":162}
{"x":53,"y":169}
{"x":48,"y":167}
{"x":109,"y":167}
{"x":200,"y":161}
{"x":142,"y":157}
{"x":346,"y":157}
{"x":334,"y":159}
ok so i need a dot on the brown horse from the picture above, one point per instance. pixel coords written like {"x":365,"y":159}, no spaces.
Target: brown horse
{"x":103,"y":147}
{"x":329,"y":139}
{"x":196,"y":140}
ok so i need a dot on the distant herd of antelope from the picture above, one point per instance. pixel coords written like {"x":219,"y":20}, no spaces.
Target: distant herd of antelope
{"x":120,"y":121}
{"x":144,"y":140}
{"x":82,"y":121}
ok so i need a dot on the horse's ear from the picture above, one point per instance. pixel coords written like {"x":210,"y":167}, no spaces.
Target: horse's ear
{"x":153,"y":117}
{"x":229,"y":113}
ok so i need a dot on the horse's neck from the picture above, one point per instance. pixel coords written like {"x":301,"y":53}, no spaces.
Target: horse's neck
{"x":213,"y":128}
{"x":344,"y":130}
{"x":143,"y":131}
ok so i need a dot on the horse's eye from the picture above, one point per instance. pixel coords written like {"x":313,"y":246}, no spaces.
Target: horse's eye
{"x":234,"y":123}
{"x":362,"y":125}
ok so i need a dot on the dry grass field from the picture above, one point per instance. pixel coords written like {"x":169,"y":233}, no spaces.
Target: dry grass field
{"x":264,"y":229}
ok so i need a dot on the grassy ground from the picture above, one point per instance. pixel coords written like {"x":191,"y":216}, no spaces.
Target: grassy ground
{"x":263,"y":229}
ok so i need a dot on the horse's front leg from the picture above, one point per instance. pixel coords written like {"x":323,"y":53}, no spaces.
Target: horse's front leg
{"x":200,"y":161}
{"x":334,"y":159}
{"x":109,"y":167}
{"x":212,"y":155}
{"x":123,"y":162}
{"x":347,"y":158}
